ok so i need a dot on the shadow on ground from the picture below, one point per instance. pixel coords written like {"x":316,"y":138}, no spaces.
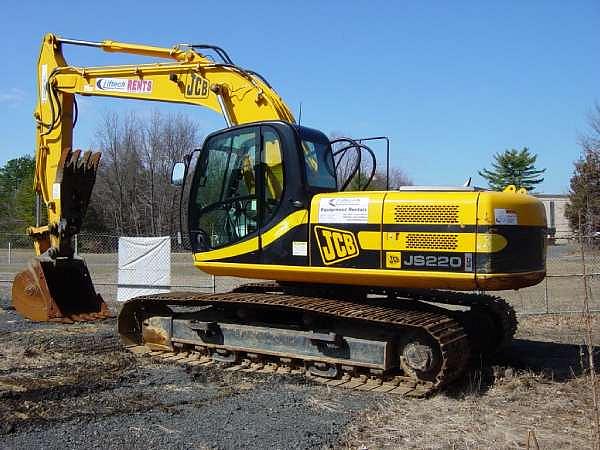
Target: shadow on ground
{"x":554,"y":361}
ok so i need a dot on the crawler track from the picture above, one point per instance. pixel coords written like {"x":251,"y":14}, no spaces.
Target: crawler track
{"x":443,"y":331}
{"x":496,"y":311}
{"x":490,"y":321}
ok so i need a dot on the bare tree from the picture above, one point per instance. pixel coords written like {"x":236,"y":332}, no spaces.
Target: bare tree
{"x":166,"y":140}
{"x":133,"y":192}
{"x":351,"y":159}
{"x":117,"y":181}
{"x":590,"y":141}
{"x":398,"y":178}
{"x":583,"y":210}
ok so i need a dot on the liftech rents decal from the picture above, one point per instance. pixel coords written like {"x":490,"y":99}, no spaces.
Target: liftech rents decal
{"x":344,"y":210}
{"x":124,"y":85}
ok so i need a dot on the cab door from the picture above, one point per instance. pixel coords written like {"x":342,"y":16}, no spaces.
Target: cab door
{"x":283,"y":214}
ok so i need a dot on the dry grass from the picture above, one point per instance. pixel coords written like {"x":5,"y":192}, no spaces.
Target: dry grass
{"x":501,"y":418}
{"x":539,"y":388}
{"x":589,"y":340}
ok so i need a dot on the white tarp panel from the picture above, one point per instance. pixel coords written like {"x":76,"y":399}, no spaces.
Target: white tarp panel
{"x":144,"y":266}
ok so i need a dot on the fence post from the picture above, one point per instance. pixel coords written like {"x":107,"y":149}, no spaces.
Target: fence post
{"x":76,"y":245}
{"x":214,"y":284}
{"x":522,"y":301}
{"x":9,"y":253}
{"x":546,"y":294}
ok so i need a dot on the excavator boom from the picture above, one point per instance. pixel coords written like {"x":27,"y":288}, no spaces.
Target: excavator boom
{"x":56,"y":285}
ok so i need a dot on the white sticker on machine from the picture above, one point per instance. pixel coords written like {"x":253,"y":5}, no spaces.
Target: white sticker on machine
{"x":56,"y":191}
{"x":299,"y":248}
{"x":468,"y":262}
{"x":43,"y":81}
{"x":344,"y":210}
{"x":505,"y":216}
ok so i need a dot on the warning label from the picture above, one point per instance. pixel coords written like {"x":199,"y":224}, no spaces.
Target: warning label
{"x":505,"y":216}
{"x":344,"y":210}
{"x":299,"y":248}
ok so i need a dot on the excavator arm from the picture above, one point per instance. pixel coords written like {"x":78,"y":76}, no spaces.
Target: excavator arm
{"x":64,"y":178}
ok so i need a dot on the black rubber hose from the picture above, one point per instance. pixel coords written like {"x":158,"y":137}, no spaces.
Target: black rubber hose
{"x":358,"y":147}
{"x":75,"y":111}
{"x":357,"y":164}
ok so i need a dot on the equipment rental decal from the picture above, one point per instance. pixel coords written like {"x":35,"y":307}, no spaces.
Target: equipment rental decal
{"x":124,"y":85}
{"x":43,"y":81}
{"x":344,"y":210}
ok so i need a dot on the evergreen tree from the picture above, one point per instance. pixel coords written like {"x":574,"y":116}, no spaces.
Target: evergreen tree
{"x":513,"y":167}
{"x":16,"y":194}
{"x":25,"y":203}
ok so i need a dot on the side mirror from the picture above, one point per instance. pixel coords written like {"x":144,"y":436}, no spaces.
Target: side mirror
{"x":178,"y":174}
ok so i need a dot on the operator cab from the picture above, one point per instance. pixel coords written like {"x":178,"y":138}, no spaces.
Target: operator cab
{"x":247,"y":178}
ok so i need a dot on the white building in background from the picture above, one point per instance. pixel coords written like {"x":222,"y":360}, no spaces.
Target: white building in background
{"x":555,"y":205}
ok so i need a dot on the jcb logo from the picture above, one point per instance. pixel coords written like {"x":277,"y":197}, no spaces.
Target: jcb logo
{"x":335,"y":245}
{"x":392,"y":260}
{"x":196,"y":86}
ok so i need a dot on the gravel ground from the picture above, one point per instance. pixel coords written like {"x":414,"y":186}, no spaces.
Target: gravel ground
{"x":72,"y":386}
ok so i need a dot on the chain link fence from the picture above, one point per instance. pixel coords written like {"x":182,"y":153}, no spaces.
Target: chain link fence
{"x":561,"y":292}
{"x":100,"y":252}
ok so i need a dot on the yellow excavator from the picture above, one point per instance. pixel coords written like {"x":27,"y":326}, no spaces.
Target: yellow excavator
{"x":375,"y":290}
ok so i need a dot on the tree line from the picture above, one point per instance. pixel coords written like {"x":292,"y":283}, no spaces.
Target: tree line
{"x":133,"y":195}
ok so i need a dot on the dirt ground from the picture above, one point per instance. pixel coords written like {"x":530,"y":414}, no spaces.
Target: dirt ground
{"x":73,"y":386}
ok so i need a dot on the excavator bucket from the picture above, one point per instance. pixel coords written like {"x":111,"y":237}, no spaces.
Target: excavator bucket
{"x":59,"y":290}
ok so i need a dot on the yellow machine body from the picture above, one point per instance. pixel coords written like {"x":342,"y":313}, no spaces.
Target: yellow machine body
{"x":410,"y":239}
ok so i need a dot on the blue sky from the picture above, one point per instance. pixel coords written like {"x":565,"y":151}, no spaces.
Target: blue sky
{"x":451,"y":83}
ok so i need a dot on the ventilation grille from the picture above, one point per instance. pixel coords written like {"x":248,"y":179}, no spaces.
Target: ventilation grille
{"x":432,"y":241}
{"x":426,"y":214}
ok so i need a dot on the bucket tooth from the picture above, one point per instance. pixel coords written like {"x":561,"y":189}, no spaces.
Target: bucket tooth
{"x":83,"y":162}
{"x":94,"y":161}
{"x":73,"y":161}
{"x":58,"y":290}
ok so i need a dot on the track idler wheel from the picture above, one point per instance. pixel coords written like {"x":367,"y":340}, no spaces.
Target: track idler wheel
{"x":57,"y":290}
{"x":420,"y":358}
